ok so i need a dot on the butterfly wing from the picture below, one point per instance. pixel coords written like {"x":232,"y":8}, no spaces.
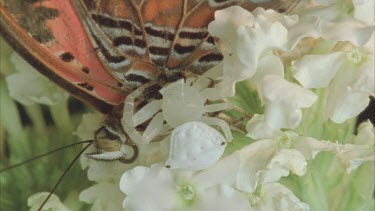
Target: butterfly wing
{"x":139,"y":39}
{"x":99,"y":50}
{"x":50,"y":36}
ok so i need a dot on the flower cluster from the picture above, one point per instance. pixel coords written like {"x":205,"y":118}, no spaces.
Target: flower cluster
{"x":315,"y":66}
{"x":312,"y":73}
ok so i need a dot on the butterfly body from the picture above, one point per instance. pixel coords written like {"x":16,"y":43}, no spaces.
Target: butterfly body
{"x":104,"y":51}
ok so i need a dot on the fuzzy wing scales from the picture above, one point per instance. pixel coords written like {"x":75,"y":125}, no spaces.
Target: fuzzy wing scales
{"x":50,"y":35}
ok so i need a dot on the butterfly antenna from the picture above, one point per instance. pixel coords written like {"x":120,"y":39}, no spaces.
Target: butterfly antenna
{"x":42,"y":155}
{"x":63,"y":175}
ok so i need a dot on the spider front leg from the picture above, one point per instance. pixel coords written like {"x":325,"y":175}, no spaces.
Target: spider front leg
{"x":130,"y":120}
{"x":221,"y":123}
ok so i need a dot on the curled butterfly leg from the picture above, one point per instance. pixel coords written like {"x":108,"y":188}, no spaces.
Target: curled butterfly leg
{"x":112,"y":144}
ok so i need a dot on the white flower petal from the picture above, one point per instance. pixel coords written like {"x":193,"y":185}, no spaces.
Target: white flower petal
{"x":325,"y":10}
{"x":355,"y":163}
{"x":364,"y":10}
{"x":352,"y":104}
{"x":132,"y":178}
{"x":283,"y":162}
{"x":306,"y":27}
{"x":316,"y":71}
{"x":223,"y":172}
{"x":195,"y":146}
{"x":282,"y":101}
{"x":258,"y":129}
{"x":222,"y":198}
{"x":53,"y":203}
{"x":282,"y":115}
{"x":253,"y":42}
{"x":336,"y":24}
{"x":227,"y":22}
{"x":277,"y":89}
{"x":310,"y":147}
{"x":278,"y":197}
{"x":352,"y":156}
{"x":137,"y":183}
{"x":233,"y":71}
{"x":346,"y":29}
{"x":349,"y":92}
{"x":29,"y":87}
{"x":254,"y":158}
{"x":268,"y":65}
{"x":366,"y":134}
{"x":103,"y":197}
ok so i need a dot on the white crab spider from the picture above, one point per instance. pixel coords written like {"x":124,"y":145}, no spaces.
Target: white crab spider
{"x":182,"y":102}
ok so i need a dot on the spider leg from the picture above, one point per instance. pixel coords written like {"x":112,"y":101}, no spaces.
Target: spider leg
{"x":221,"y":123}
{"x":146,"y":112}
{"x":218,"y":107}
{"x":127,"y":120}
{"x":154,"y":127}
{"x":204,"y":81}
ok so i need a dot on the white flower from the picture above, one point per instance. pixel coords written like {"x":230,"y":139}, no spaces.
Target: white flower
{"x":223,"y":198}
{"x":348,"y":76}
{"x":351,"y":155}
{"x":364,"y":11}
{"x":336,"y":23}
{"x":348,"y":73}
{"x":53,"y":202}
{"x":277,"y":197}
{"x":29,"y":87}
{"x":248,"y":36}
{"x":138,"y":182}
{"x":195,"y":146}
{"x":268,"y":160}
{"x":210,"y":189}
{"x":258,"y":129}
{"x":268,"y":65}
{"x":366,"y":134}
{"x":104,"y":196}
{"x":361,"y":150}
{"x":246,"y":46}
{"x":254,"y":170}
{"x":284,"y":101}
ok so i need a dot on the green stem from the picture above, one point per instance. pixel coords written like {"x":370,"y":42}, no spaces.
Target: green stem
{"x":314,"y":192}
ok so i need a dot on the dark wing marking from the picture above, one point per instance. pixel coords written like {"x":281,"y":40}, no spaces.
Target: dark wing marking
{"x":65,"y":56}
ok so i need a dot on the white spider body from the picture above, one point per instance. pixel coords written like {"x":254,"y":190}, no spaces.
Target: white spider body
{"x":182,"y":102}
